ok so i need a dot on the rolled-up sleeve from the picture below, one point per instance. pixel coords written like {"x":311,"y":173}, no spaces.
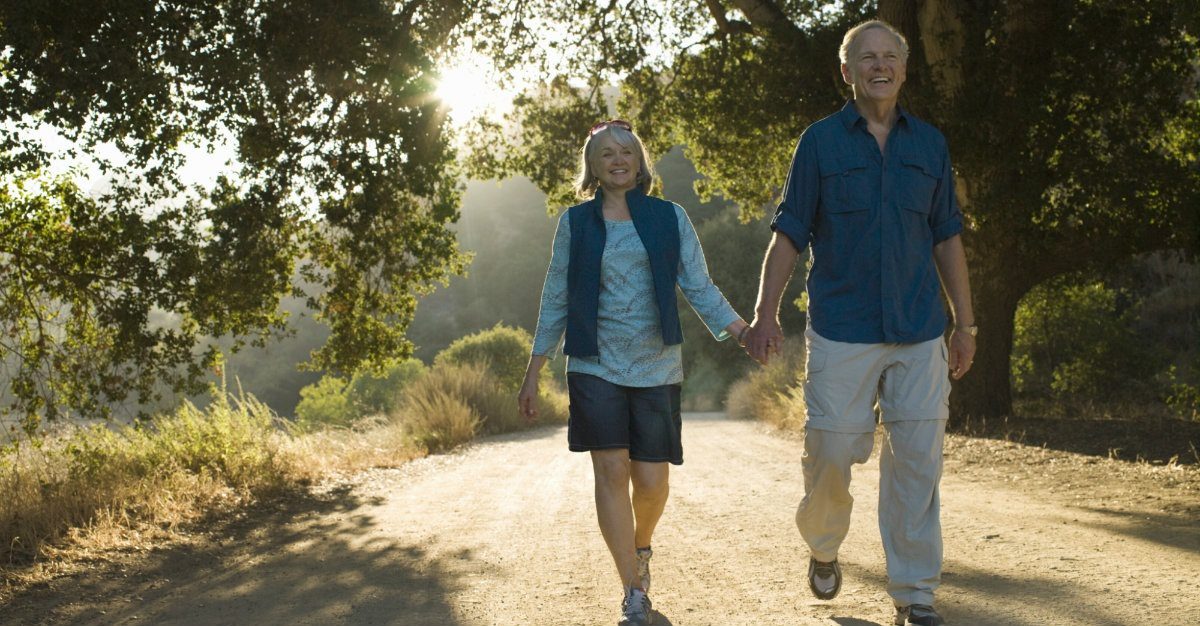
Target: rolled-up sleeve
{"x":697,"y":286}
{"x":552,"y":315}
{"x":801,"y":192}
{"x":945,"y":218}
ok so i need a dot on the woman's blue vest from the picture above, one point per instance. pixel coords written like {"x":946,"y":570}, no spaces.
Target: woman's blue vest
{"x":658,"y":229}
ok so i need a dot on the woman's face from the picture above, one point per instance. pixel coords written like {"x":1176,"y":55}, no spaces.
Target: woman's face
{"x":615,"y":166}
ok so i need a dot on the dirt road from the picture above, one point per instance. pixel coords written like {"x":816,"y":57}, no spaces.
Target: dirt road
{"x":504,"y":533}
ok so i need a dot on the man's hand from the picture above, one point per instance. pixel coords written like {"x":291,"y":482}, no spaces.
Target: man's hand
{"x":527,"y":399}
{"x":962,"y":353}
{"x":764,"y":338}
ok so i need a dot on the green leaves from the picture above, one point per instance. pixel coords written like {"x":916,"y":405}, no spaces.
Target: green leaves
{"x":339,"y":173}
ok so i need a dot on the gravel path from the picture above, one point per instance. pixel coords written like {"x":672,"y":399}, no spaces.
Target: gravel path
{"x":504,"y":533}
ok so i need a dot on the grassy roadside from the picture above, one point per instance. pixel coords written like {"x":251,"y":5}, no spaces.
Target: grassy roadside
{"x":83,"y":491}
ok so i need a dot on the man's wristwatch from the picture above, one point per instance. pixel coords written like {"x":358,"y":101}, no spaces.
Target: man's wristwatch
{"x":971,"y":330}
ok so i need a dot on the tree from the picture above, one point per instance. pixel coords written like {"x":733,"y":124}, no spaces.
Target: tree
{"x":1074,"y":126}
{"x":342,"y":175}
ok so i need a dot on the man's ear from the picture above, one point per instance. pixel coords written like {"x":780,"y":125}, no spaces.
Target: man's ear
{"x":846,"y":74}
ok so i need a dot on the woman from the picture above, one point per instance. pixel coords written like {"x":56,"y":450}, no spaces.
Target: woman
{"x":616,"y":261}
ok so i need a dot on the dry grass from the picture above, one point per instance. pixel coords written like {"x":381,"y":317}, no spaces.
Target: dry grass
{"x":439,"y":420}
{"x":452,"y":403}
{"x":772,"y":394}
{"x":96,"y":479}
{"x":90,"y":489}
{"x":375,"y":442}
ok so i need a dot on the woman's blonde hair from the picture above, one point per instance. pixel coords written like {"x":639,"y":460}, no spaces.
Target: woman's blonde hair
{"x":586,"y":183}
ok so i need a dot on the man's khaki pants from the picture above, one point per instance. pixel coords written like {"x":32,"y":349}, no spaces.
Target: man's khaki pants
{"x":844,"y":383}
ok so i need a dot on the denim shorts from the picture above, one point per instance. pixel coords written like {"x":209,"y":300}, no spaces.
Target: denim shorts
{"x":644,"y":420}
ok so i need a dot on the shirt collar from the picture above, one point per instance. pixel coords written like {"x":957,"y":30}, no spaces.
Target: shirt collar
{"x":850,"y":115}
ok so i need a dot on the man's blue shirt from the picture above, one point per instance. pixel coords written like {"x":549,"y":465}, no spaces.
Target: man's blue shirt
{"x":872,"y":220}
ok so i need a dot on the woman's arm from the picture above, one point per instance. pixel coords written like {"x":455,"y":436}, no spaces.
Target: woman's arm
{"x":552,"y":317}
{"x":697,"y":286}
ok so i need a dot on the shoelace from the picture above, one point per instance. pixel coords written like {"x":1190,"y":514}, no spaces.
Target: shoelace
{"x":636,"y":604}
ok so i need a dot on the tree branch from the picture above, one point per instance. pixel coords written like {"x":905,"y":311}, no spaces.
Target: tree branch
{"x":767,"y":16}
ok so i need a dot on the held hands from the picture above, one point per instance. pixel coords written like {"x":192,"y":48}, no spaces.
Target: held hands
{"x":764,"y":338}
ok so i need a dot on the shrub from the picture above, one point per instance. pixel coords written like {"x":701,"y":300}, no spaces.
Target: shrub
{"x":772,"y":394}
{"x":438,"y":420}
{"x":504,"y":350}
{"x":1077,"y":339}
{"x":372,"y":394}
{"x":1183,"y":397}
{"x":325,"y":403}
{"x":475,"y":387}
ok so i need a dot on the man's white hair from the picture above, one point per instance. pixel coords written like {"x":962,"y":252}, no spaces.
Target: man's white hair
{"x":852,"y":36}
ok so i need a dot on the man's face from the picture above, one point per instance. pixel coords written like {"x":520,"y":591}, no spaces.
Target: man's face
{"x":876,"y":67}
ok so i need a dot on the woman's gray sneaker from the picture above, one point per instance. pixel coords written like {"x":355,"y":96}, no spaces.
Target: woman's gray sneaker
{"x":643,"y":566}
{"x":918,"y":615}
{"x":635,"y":609}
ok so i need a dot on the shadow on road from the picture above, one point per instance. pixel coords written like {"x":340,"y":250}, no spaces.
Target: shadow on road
{"x":307,"y":560}
{"x":1055,"y":600}
{"x":853,"y":621}
{"x":1171,"y":530}
{"x":1156,"y":441}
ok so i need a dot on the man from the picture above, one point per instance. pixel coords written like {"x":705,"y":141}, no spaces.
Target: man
{"x":870,"y":188}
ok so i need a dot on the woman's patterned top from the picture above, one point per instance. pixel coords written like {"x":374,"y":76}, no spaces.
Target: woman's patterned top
{"x":628,"y":331}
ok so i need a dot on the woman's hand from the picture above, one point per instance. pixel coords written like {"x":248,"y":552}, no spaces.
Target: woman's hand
{"x":527,"y":399}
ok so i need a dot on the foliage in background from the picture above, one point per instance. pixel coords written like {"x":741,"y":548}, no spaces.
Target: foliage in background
{"x":475,"y":380}
{"x":383,"y":392}
{"x":332,"y":401}
{"x":503,"y":350}
{"x":1183,"y":395}
{"x":339,"y":168}
{"x":1129,"y":336}
{"x":1075,"y":338}
{"x":326,"y":403}
{"x":1095,"y":105}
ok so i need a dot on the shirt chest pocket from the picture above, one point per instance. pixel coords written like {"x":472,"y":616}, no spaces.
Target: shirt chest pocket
{"x":916,"y":183}
{"x":845,"y":184}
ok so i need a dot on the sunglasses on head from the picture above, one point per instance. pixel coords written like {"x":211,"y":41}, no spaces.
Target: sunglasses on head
{"x":602,"y":125}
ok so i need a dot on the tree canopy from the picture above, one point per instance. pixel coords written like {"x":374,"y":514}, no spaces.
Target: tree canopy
{"x":339,"y":172}
{"x":1074,"y":126}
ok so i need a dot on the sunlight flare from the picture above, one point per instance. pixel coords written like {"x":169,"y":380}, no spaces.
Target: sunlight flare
{"x":470,"y":88}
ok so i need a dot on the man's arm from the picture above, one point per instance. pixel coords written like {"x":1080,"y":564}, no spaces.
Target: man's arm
{"x":951,"y":260}
{"x":765,"y":334}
